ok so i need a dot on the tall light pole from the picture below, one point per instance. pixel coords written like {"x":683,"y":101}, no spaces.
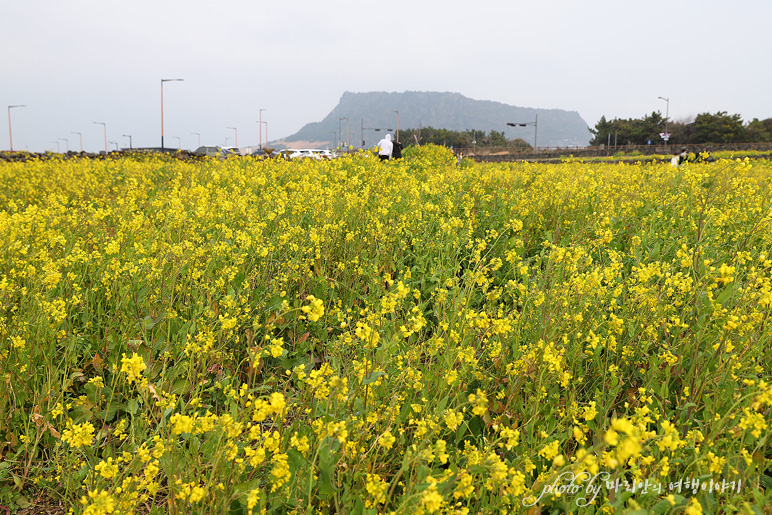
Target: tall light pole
{"x":667,"y":115}
{"x":535,"y":124}
{"x":67,"y":143}
{"x":199,"y":138}
{"x":10,"y":132}
{"x":179,"y":142}
{"x":81,"y":139}
{"x":105,"y":125}
{"x":162,"y":107}
{"x":57,"y":145}
{"x":131,"y":147}
{"x":397,"y":125}
{"x":236,"y":135}
{"x":260,"y":145}
{"x":266,"y":131}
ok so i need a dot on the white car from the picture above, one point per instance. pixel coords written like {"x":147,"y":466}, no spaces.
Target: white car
{"x":311,"y":153}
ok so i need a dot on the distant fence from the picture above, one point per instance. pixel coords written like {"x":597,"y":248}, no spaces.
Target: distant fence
{"x":510,"y":154}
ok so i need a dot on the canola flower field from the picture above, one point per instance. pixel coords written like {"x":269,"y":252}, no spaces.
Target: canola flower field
{"x":415,"y":336}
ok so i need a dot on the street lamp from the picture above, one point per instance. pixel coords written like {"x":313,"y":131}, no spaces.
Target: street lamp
{"x":57,"y":145}
{"x":131,"y":147}
{"x":67,"y":143}
{"x":667,"y":115}
{"x":199,"y":138}
{"x":81,"y":139}
{"x":162,"y":107}
{"x":105,"y":125}
{"x":260,"y":145}
{"x":236,"y":135}
{"x":535,"y":124}
{"x":179,"y":142}
{"x":266,"y":132}
{"x":114,"y":143}
{"x":10,"y":132}
{"x":397,"y":125}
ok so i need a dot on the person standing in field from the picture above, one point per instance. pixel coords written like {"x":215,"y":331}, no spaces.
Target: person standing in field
{"x":385,"y":148}
{"x":396,"y":151}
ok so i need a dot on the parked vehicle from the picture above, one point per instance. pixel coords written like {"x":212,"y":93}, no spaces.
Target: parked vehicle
{"x":211,"y":151}
{"x":311,"y":153}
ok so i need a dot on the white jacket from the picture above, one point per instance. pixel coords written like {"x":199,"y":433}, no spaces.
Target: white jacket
{"x":385,"y":146}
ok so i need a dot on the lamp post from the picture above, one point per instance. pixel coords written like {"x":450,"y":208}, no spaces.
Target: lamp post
{"x":66,"y":143}
{"x":179,"y":142}
{"x":667,"y":115}
{"x":81,"y":139}
{"x":397,"y":125}
{"x":57,"y":145}
{"x":236,"y":135}
{"x":260,"y":145}
{"x":535,"y":124}
{"x":162,"y":107}
{"x":131,"y":147}
{"x":199,"y":138}
{"x":226,"y":141}
{"x":114,"y":143}
{"x":10,"y":132}
{"x":105,"y":125}
{"x":266,"y":131}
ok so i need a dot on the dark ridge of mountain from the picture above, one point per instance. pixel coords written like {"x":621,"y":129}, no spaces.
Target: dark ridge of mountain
{"x":377,"y":110}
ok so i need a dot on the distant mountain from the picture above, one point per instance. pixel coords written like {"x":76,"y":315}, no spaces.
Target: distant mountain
{"x":377,"y":110}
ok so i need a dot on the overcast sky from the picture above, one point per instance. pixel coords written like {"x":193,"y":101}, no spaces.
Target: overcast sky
{"x":82,"y":61}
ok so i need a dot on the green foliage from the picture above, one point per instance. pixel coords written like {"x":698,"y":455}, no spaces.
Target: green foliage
{"x":458,"y":139}
{"x":628,"y":132}
{"x":718,"y":128}
{"x":706,"y":128}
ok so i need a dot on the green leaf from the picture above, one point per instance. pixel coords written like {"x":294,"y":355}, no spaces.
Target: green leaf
{"x":132,"y":407}
{"x":661,"y":507}
{"x":373,"y":377}
{"x":296,"y":461}
{"x":327,"y":463}
{"x":108,"y":414}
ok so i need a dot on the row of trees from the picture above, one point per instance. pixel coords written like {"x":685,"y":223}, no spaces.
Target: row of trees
{"x":458,"y":139}
{"x":705,"y":128}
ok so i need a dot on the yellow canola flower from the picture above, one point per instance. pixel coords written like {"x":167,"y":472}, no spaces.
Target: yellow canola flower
{"x":432,"y":501}
{"x":132,"y":367}
{"x":79,"y":435}
{"x":98,"y":502}
{"x":315,"y":310}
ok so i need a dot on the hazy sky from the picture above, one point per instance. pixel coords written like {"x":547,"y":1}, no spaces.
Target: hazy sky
{"x":82,"y":61}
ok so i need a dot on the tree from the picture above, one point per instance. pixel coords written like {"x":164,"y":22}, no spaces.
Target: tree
{"x":497,"y":139}
{"x":718,"y":128}
{"x":633,"y":131}
{"x":457,"y":139}
{"x":601,"y":132}
{"x":759,"y":131}
{"x":706,"y":128}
